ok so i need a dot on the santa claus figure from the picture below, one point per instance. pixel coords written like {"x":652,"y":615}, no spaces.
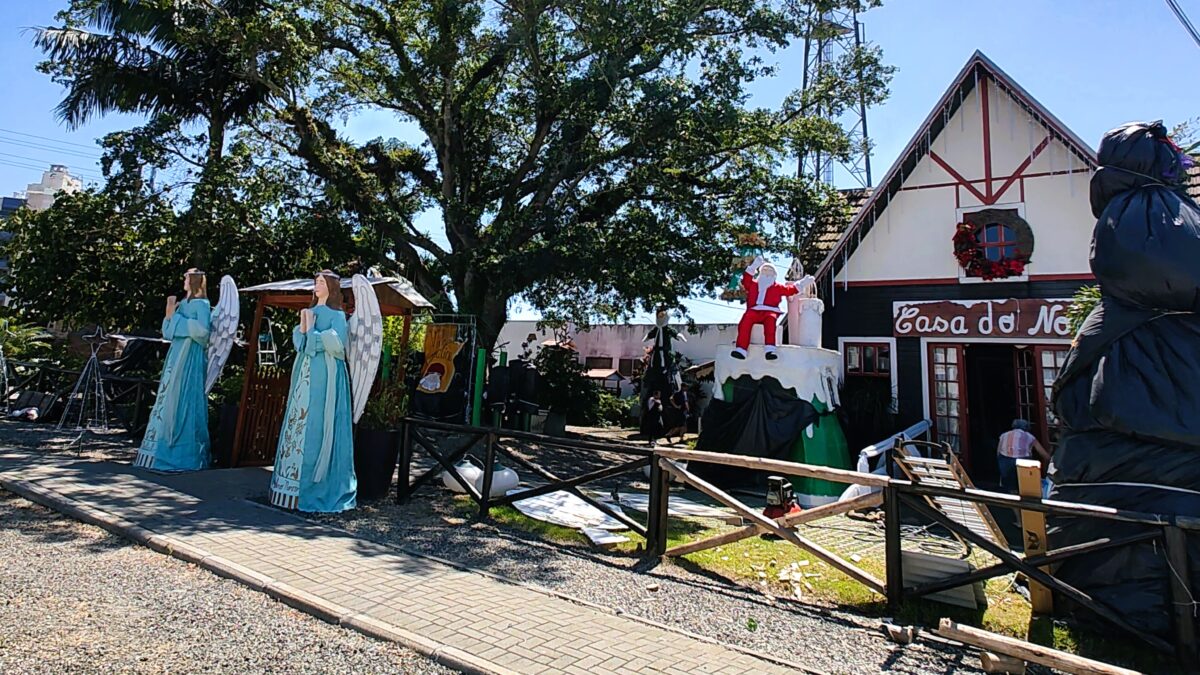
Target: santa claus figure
{"x":763,"y":296}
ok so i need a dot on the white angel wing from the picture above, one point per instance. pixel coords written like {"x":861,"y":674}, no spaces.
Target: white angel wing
{"x":366,"y":343}
{"x":224,"y":327}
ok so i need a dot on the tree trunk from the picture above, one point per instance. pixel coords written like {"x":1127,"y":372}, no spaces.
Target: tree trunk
{"x":489,"y":307}
{"x":201,"y":214}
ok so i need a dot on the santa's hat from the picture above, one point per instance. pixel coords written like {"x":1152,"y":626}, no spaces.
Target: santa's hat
{"x":768,"y":269}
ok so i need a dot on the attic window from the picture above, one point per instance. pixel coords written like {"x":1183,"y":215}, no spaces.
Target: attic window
{"x":998,"y":241}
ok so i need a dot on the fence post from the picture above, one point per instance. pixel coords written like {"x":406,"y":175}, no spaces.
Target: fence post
{"x":895,"y":567}
{"x":1181,"y":594}
{"x":1033,"y":529}
{"x":489,"y":462}
{"x":403,"y":485}
{"x":656,"y":523}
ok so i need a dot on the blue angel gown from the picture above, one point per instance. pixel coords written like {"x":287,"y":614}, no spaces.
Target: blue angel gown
{"x":314,"y":461}
{"x":177,"y":435}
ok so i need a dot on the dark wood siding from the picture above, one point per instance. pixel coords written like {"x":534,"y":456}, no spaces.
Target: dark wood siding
{"x":867,"y":312}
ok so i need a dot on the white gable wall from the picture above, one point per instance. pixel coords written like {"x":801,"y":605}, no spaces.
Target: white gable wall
{"x":912,"y":239}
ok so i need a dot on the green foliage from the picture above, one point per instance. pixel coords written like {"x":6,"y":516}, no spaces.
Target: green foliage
{"x":386,"y":407}
{"x":23,"y":341}
{"x":92,"y":260}
{"x":564,"y":387}
{"x":593,"y":157}
{"x":589,"y":156}
{"x":1082,"y":303}
{"x":126,"y":252}
{"x":611,"y":410}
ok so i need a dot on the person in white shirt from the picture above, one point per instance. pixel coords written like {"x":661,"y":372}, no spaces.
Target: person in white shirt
{"x":1016,"y":444}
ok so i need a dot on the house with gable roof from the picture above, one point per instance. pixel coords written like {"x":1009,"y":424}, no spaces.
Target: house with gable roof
{"x":947,"y":289}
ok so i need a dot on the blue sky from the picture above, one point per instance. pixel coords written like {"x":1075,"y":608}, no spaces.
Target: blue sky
{"x":1093,"y":63}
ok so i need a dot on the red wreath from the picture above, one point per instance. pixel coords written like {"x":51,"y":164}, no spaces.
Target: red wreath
{"x":970,"y":255}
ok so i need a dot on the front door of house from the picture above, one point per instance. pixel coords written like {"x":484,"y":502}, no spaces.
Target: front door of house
{"x":947,"y":395}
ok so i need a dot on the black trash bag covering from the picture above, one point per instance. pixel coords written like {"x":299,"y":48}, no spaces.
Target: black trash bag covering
{"x":1107,"y":457}
{"x":1146,"y":245}
{"x":1132,"y":580}
{"x":762,"y":420}
{"x":1135,"y":372}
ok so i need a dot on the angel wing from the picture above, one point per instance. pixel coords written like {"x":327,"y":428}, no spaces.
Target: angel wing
{"x":224,"y":326}
{"x":366,"y":343}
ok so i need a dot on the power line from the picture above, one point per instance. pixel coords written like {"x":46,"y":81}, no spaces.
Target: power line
{"x":1184,"y":21}
{"x":47,"y":138}
{"x":39,"y":146}
{"x":76,"y":169}
{"x":21,"y":165}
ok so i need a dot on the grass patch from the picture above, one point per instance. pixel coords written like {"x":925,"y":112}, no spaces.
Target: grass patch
{"x":756,"y":562}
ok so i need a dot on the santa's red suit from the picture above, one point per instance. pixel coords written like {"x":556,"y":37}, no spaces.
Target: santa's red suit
{"x":763,"y":296}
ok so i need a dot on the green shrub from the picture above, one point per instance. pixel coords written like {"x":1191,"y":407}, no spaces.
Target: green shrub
{"x":565,"y":387}
{"x":612,"y":410}
{"x":1082,"y":303}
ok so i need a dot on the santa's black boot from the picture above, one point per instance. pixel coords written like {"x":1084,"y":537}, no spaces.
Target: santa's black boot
{"x":771,"y":356}
{"x":737,"y":355}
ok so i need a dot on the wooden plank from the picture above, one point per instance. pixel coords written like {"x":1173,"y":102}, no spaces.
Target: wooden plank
{"x":1027,"y":651}
{"x":1033,"y":529}
{"x":828,"y":557}
{"x":998,"y":663}
{"x":1035,"y":574}
{"x":807,"y":516}
{"x":778,"y":466}
{"x":1181,"y":594}
{"x":923,"y":568}
{"x":973,"y":515}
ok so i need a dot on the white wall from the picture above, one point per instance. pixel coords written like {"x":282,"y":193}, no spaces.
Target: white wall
{"x":624,"y":341}
{"x":40,"y":196}
{"x":912,"y":239}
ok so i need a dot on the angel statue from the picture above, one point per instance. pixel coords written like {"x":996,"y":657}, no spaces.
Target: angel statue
{"x":177,"y":434}
{"x":335,"y":367}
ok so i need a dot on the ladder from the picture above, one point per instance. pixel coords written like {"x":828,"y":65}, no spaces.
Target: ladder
{"x":267,"y":353}
{"x":943,"y":470}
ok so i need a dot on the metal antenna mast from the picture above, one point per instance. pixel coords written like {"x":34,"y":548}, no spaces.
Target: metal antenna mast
{"x":833,"y":35}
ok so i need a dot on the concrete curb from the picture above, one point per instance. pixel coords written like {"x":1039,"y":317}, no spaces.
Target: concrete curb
{"x":438,"y":652}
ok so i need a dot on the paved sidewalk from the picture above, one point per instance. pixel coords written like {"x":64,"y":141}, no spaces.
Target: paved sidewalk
{"x":467,"y":620}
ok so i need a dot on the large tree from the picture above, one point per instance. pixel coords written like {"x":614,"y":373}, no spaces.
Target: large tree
{"x":110,"y":256}
{"x":182,"y":63}
{"x":590,"y":155}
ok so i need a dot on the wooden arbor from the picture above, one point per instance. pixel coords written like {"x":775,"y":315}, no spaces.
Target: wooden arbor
{"x":265,"y":390}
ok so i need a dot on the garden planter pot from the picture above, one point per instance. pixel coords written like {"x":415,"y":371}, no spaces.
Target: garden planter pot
{"x":556,"y":424}
{"x":375,"y":455}
{"x":222,"y":441}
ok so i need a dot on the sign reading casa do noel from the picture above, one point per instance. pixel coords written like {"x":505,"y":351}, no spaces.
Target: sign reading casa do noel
{"x":1012,"y":318}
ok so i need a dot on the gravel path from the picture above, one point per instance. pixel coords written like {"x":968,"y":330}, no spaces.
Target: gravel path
{"x":684,"y":598}
{"x":75,"y":599}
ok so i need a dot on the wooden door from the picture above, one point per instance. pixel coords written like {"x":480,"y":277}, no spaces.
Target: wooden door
{"x":1049,"y":360}
{"x":261,"y":416}
{"x":948,"y":396}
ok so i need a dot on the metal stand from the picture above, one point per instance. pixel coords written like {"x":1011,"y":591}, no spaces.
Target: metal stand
{"x":86,"y":404}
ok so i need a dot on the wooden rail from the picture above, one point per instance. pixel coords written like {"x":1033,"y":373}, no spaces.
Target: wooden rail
{"x":895,"y":496}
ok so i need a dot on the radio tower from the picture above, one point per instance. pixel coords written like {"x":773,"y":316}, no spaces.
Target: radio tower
{"x":835,"y":34}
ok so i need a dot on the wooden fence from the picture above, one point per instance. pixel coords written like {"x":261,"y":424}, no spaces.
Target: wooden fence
{"x":895,"y":496}
{"x":128,"y":398}
{"x":446,"y":444}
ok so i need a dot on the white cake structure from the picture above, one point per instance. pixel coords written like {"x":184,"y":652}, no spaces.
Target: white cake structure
{"x":810,"y":372}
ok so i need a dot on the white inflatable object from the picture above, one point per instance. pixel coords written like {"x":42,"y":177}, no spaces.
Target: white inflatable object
{"x":467,"y":470}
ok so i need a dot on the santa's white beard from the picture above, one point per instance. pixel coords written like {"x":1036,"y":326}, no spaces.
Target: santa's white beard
{"x":765,"y":280}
